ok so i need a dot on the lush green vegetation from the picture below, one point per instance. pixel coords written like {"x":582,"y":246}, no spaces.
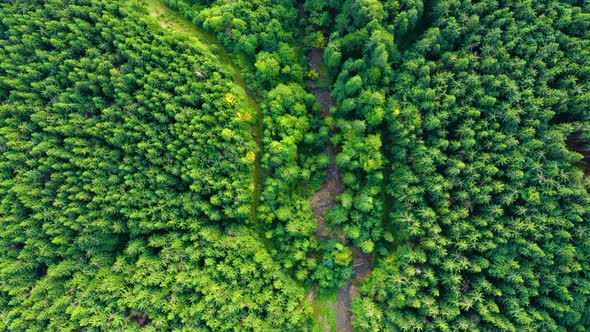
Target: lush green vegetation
{"x":292,"y":135}
{"x":125,"y":173}
{"x":453,"y":119}
{"x":157,"y":160}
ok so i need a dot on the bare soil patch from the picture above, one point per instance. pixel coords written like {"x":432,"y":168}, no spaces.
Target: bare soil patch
{"x":325,"y":198}
{"x":576,"y":142}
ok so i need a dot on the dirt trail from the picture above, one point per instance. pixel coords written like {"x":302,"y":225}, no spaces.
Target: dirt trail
{"x":325,"y":198}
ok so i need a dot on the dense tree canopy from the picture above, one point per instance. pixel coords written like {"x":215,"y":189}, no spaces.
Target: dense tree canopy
{"x":158,"y":178}
{"x":124,"y":164}
{"x":486,"y":214}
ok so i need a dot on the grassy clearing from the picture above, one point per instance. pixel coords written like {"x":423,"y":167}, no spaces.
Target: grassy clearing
{"x":173,"y":21}
{"x":324,"y":313}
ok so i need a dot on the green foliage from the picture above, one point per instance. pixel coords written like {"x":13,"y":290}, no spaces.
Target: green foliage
{"x":285,"y":207}
{"x":124,"y":165}
{"x":453,"y":146}
{"x":267,"y":67}
{"x":334,"y":268}
{"x":291,"y":137}
{"x":143,"y":187}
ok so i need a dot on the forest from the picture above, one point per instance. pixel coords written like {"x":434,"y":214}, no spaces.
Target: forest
{"x":294,"y":165}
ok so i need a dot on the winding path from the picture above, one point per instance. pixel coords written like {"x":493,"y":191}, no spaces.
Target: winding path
{"x":325,"y":198}
{"x":174,"y":22}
